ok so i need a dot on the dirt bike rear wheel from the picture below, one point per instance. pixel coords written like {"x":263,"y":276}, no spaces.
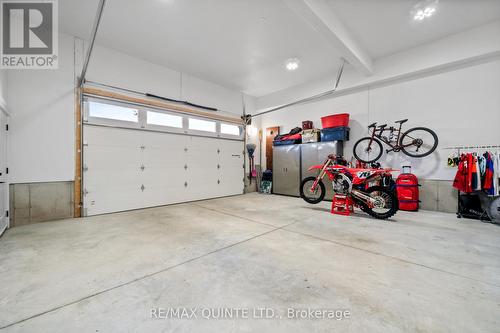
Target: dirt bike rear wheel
{"x":305,"y":191}
{"x":389,"y":198}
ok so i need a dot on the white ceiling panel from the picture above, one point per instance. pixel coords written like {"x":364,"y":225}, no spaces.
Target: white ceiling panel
{"x":243,"y":44}
{"x":386,"y":27}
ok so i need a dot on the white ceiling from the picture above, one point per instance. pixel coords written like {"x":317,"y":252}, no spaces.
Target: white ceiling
{"x":384,"y":27}
{"x":243,"y":44}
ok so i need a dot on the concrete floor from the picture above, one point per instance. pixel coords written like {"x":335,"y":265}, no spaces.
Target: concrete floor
{"x":422,"y":271}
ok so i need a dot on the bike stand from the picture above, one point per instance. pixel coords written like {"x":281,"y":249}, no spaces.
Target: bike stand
{"x":342,"y":205}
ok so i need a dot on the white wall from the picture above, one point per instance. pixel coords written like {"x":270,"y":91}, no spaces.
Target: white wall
{"x":42,"y":105}
{"x":3,"y":88}
{"x":450,"y":52}
{"x":117,"y":69}
{"x":462,"y":106}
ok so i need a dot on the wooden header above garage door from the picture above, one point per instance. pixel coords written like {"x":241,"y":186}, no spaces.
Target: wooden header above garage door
{"x":158,"y":104}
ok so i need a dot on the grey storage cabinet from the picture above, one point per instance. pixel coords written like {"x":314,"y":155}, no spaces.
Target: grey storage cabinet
{"x":316,"y":153}
{"x":286,"y":170}
{"x":290,"y":164}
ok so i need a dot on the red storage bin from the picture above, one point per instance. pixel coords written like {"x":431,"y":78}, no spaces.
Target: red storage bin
{"x":335,"y":120}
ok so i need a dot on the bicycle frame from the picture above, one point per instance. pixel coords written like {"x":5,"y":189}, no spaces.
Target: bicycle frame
{"x":394,"y":146}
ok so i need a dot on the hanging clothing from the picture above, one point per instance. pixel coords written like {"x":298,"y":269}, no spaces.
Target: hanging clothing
{"x":476,"y":173}
{"x":488,"y":176}
{"x":461,"y":181}
{"x":496,"y":174}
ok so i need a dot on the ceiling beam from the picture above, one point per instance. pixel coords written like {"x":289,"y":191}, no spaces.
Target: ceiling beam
{"x":320,"y":16}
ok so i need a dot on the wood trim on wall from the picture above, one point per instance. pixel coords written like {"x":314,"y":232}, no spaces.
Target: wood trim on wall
{"x":77,"y":197}
{"x":158,"y":104}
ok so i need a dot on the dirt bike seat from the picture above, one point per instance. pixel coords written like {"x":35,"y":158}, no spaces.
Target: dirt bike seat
{"x":372,"y":125}
{"x":401,"y":121}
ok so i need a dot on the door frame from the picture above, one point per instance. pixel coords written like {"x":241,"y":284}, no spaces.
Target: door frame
{"x":4,"y":131}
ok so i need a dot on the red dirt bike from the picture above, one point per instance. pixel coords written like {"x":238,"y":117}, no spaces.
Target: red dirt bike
{"x":361,"y":185}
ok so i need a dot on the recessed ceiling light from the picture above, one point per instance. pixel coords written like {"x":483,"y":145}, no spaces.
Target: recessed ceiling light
{"x":424,"y":13}
{"x":292,"y":64}
{"x":424,"y":9}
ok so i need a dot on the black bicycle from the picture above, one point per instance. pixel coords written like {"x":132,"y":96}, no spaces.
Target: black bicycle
{"x":416,"y":142}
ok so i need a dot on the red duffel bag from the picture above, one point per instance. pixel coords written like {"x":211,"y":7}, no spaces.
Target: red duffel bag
{"x":407,"y":190}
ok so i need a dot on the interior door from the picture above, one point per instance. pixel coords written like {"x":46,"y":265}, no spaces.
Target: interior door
{"x":271,"y":133}
{"x":230,"y":167}
{"x":4,"y":189}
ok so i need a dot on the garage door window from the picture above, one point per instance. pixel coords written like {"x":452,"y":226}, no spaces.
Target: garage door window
{"x":114,"y":112}
{"x":230,"y":129}
{"x":201,"y":125}
{"x":163,"y":119}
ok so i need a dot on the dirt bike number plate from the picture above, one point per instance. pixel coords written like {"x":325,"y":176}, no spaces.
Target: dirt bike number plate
{"x":363,"y":174}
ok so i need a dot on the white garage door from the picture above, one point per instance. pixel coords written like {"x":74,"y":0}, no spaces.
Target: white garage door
{"x":135,"y":157}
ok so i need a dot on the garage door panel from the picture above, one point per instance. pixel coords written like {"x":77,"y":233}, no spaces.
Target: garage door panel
{"x":106,"y":158}
{"x":163,"y":177}
{"x":168,"y":169}
{"x":117,"y":179}
{"x":164,"y":195}
{"x":102,"y":202}
{"x":112,"y":137}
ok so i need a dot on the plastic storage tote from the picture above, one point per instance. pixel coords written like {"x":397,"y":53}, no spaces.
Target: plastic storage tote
{"x":335,"y":120}
{"x":335,"y":134}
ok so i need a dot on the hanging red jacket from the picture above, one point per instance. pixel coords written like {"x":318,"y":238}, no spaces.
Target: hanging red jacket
{"x":460,"y":181}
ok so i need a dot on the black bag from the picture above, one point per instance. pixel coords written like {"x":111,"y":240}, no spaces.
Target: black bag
{"x":469,"y":206}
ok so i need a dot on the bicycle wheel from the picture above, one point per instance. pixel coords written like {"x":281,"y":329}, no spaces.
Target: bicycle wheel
{"x":367,"y":153}
{"x":418,"y":142}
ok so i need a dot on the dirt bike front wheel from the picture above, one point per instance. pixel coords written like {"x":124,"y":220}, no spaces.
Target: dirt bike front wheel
{"x":310,"y":196}
{"x":419,"y":142}
{"x":386,"y":202}
{"x":368,"y":150}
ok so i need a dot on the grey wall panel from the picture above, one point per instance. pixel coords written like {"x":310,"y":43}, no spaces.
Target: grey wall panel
{"x":40,"y":202}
